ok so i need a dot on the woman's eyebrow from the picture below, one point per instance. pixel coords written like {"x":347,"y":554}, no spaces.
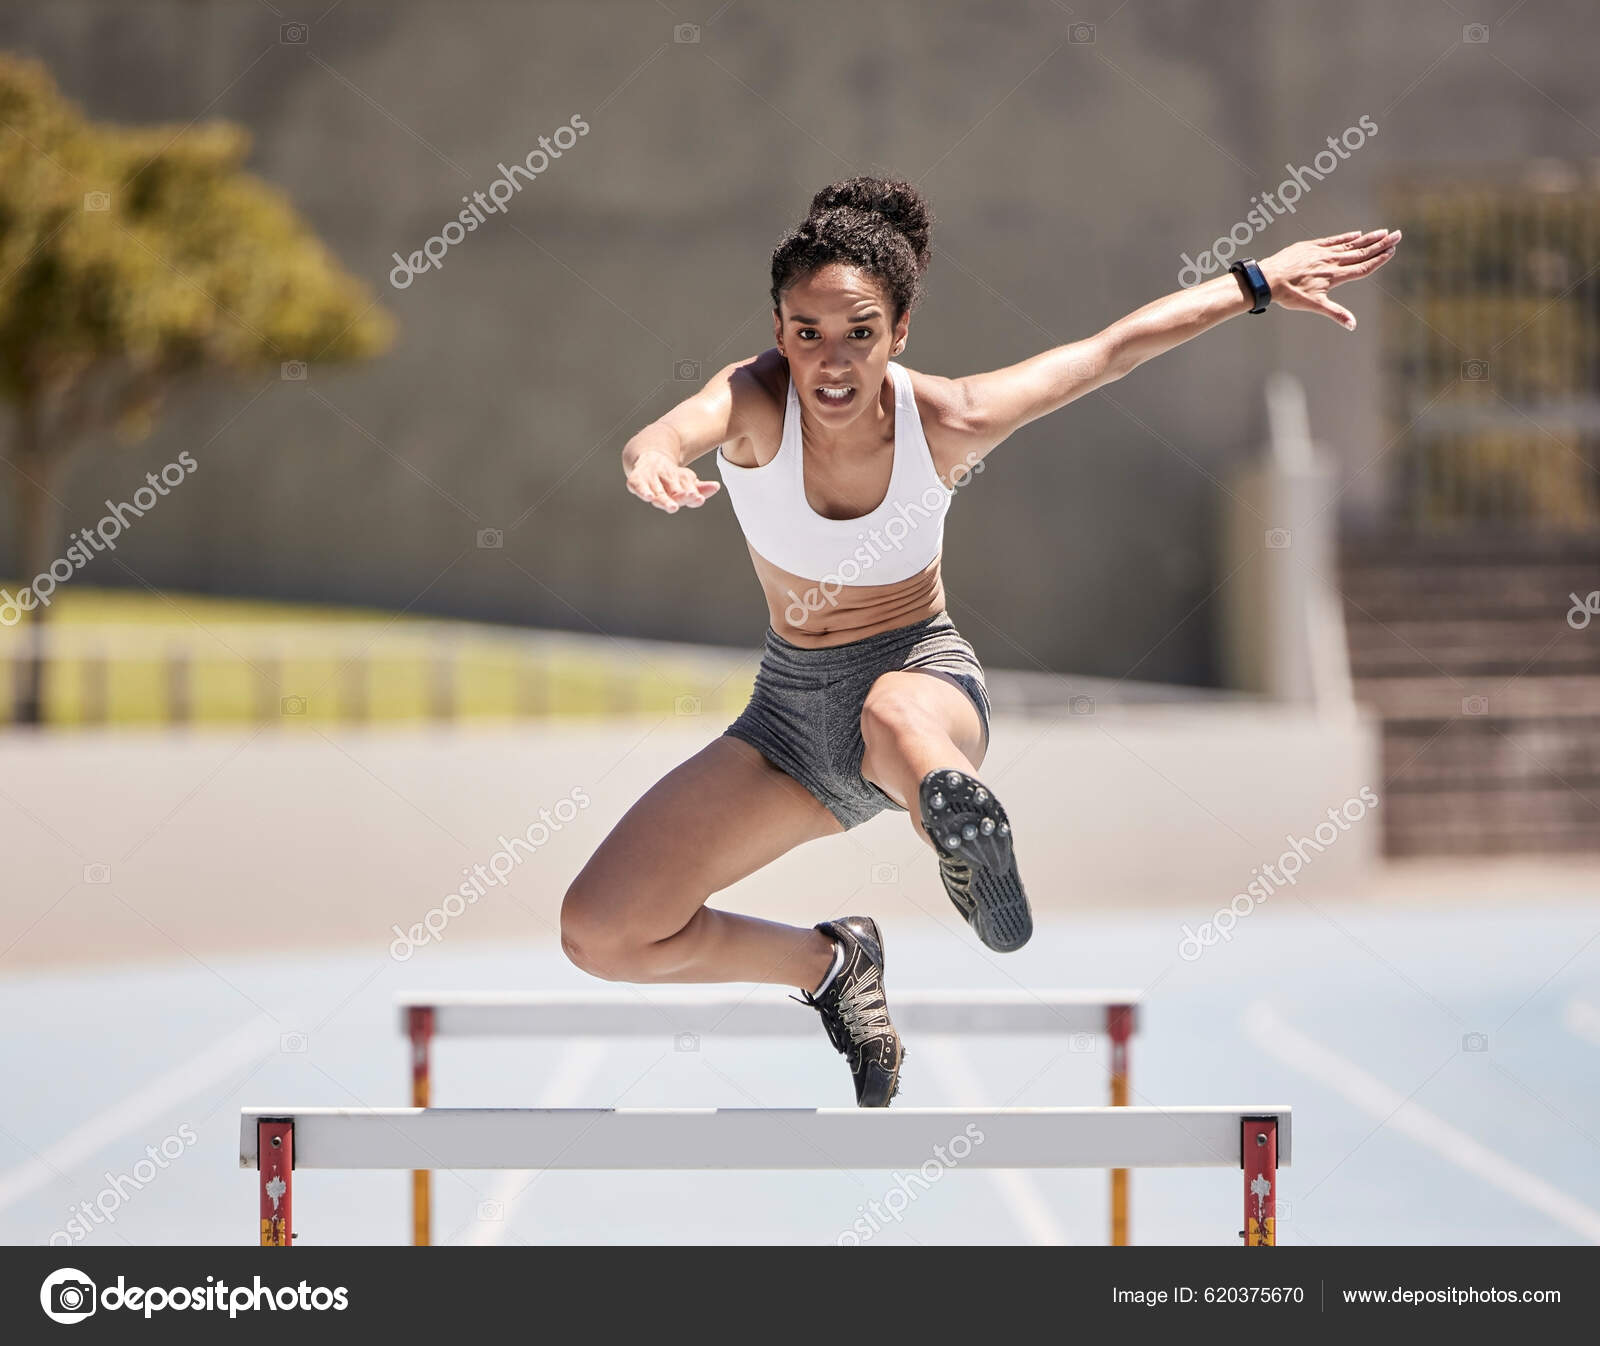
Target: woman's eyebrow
{"x":813,"y":322}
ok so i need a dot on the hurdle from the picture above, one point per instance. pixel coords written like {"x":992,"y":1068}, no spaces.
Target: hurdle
{"x":277,"y":1141}
{"x":713,"y":1011}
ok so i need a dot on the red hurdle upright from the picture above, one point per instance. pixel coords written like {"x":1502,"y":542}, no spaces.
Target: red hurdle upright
{"x":275,"y":1151}
{"x":1259,"y":1158}
{"x":419,"y":1026}
{"x":1119,"y":1028}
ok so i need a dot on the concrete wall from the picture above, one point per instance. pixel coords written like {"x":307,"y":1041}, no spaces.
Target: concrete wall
{"x":1068,"y":177}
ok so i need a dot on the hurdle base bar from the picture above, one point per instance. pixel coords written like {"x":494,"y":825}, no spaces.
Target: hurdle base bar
{"x":669,"y":1139}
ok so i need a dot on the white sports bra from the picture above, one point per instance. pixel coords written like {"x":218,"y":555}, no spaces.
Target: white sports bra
{"x":895,"y":541}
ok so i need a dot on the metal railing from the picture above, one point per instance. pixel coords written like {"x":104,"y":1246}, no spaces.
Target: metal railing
{"x":1491,"y":353}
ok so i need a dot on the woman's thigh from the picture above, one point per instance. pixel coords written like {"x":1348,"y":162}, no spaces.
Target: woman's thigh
{"x":710,"y":821}
{"x":910,"y":702}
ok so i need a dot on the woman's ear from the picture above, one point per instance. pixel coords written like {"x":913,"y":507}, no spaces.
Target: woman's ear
{"x":777,"y":332}
{"x":901,"y":328}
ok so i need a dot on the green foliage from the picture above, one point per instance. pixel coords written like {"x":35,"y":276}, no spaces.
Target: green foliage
{"x":129,"y":258}
{"x":150,"y":252}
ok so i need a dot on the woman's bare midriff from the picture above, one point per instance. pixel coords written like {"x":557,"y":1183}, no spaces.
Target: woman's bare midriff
{"x":814,"y":615}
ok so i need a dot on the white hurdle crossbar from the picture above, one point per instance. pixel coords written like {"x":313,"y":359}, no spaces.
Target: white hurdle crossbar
{"x":708,"y":1011}
{"x":276,"y":1141}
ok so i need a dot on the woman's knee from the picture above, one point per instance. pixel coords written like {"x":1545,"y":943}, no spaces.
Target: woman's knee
{"x":600,"y":940}
{"x":899,"y":709}
{"x":891,"y":711}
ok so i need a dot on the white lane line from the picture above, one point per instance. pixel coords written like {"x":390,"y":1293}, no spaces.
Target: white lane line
{"x":578,"y":1065}
{"x":1375,"y":1098}
{"x":1018,"y":1191}
{"x":144,"y":1105}
{"x":1583,"y":1020}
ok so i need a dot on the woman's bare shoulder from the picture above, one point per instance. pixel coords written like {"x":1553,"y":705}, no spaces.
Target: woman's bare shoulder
{"x":946,"y":417}
{"x":762,"y":378}
{"x":760,"y":388}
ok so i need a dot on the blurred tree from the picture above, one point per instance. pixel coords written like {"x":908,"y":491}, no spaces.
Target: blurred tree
{"x":130,"y":258}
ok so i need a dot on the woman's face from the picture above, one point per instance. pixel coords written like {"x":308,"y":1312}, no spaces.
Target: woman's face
{"x":836,"y":328}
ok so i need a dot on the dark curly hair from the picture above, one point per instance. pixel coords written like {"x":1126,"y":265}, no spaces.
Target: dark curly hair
{"x":880,"y":225}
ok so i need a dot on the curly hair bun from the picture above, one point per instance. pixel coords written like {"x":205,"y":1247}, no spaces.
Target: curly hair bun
{"x":897,"y":201}
{"x":881,"y":225}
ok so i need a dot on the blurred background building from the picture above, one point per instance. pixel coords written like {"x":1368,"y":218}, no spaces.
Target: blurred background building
{"x":1444,"y":455}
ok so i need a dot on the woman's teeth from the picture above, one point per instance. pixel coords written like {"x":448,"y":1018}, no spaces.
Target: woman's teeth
{"x":837,"y":396}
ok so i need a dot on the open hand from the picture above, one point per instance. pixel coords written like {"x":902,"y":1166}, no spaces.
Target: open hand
{"x":658,"y":480}
{"x":1301,"y":275}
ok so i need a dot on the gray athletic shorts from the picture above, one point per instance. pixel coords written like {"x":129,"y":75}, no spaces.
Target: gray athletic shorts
{"x":805,"y":713}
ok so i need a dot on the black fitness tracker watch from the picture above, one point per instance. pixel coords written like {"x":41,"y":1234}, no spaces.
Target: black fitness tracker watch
{"x":1260,"y":291}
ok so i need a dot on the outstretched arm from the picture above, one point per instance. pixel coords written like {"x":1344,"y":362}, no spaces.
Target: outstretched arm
{"x":986,"y":408}
{"x":656,"y":461}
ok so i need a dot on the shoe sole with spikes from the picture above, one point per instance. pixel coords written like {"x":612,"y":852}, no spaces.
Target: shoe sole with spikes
{"x":972,"y":834}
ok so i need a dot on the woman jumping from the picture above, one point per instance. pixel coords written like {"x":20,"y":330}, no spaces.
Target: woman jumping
{"x":840,"y":465}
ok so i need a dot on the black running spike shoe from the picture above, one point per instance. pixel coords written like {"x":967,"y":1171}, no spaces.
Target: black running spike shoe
{"x":855,"y":1014}
{"x":972,"y":834}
